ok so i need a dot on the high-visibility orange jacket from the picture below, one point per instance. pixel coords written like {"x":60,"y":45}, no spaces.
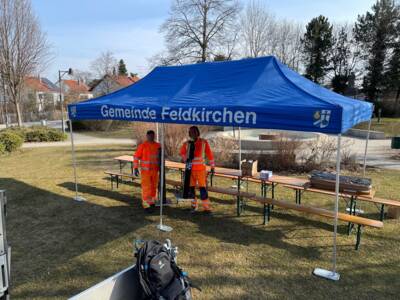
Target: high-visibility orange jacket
{"x":202,"y":151}
{"x":148,"y":154}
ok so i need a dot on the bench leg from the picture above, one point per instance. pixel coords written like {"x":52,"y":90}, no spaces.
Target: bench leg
{"x":359,"y":231}
{"x":112,"y":181}
{"x":272,"y":194}
{"x":118,"y":181}
{"x":267,"y":213}
{"x":352,"y":211}
{"x":238,"y":204}
{"x":382,"y":212}
{"x":299,"y":197}
{"x":262,"y":189}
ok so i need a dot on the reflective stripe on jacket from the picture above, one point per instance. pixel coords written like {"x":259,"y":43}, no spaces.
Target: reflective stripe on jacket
{"x":148,"y":154}
{"x":202,"y":151}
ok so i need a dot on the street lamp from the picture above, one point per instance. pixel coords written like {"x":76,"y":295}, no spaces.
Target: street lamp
{"x":60,"y":75}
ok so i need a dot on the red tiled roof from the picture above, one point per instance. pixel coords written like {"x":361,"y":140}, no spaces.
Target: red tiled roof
{"x":121,"y":80}
{"x":76,"y":86}
{"x":125,"y":80}
{"x":35,"y":83}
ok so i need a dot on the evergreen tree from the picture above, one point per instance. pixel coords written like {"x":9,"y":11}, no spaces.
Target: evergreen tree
{"x":221,"y":57}
{"x":376,"y":31}
{"x":317,"y":45}
{"x":393,"y":77}
{"x":343,"y":60}
{"x":122,"y":71}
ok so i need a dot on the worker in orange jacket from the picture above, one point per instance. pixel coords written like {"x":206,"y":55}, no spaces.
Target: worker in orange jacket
{"x":148,"y":153}
{"x":199,"y":173}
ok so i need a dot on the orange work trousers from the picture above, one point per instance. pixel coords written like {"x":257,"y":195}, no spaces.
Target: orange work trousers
{"x":199,"y":178}
{"x":149,"y":187}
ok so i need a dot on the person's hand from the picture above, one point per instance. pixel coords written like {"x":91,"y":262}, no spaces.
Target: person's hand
{"x":136,"y":172}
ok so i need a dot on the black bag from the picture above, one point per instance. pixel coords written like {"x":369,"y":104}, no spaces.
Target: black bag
{"x":188,"y":171}
{"x":159,"y":276}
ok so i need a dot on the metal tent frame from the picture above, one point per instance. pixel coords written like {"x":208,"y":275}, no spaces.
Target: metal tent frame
{"x":332,"y":275}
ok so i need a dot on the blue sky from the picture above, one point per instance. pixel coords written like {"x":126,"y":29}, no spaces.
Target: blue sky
{"x":79,"y":30}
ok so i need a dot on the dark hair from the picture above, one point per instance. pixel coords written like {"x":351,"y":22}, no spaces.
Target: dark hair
{"x":196,"y":129}
{"x":150,"y":132}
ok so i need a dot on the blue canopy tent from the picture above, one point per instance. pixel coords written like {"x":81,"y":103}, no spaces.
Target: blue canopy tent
{"x":253,"y":93}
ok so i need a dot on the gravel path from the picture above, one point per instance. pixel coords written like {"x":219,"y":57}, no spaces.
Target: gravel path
{"x":82,"y":139}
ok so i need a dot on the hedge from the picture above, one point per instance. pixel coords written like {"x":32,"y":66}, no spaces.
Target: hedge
{"x":37,"y":134}
{"x":2,"y":149}
{"x":10,"y":141}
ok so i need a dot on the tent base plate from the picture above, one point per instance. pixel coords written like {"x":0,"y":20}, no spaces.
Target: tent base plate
{"x":326,"y":274}
{"x":164,"y":228}
{"x":79,"y":198}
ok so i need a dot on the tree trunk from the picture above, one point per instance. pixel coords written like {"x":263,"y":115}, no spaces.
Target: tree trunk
{"x":204,"y":33}
{"x":18,"y":111}
{"x":396,"y":103}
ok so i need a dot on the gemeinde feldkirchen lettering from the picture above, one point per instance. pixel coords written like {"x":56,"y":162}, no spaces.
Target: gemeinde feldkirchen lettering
{"x":190,"y":115}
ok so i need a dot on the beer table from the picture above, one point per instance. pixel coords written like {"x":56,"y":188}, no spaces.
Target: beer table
{"x":300,"y":185}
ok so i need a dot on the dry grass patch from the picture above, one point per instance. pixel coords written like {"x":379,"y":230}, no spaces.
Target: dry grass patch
{"x":61,"y":247}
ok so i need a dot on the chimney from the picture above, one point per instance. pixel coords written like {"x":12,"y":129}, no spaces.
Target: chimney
{"x":79,"y":81}
{"x":39,"y":78}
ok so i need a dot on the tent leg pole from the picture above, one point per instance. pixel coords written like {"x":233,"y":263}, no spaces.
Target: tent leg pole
{"x":333,"y":275}
{"x":240,"y":150}
{"x":158,"y":131}
{"x":366,"y":147}
{"x":161,"y":226}
{"x":77,"y":197}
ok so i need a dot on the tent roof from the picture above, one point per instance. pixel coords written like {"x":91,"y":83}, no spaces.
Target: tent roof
{"x":258,"y":93}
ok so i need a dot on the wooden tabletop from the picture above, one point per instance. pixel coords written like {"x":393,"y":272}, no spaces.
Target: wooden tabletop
{"x":293,"y":182}
{"x":218,"y":170}
{"x":181,"y":166}
{"x":124,"y":158}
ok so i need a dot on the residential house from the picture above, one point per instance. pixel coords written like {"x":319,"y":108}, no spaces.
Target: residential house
{"x":40,"y":93}
{"x":111,"y":83}
{"x":75,"y":90}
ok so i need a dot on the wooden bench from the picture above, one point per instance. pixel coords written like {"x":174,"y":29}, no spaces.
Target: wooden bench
{"x":226,"y":191}
{"x":214,"y":189}
{"x":117,"y":176}
{"x":360,"y":221}
{"x":353,"y":198}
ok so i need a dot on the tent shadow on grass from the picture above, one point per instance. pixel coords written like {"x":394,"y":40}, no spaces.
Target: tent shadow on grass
{"x":230,"y":230}
{"x":285,"y":215}
{"x":107,"y":193}
{"x":46,"y":229}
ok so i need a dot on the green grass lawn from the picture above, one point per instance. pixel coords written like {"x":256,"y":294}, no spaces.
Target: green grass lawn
{"x":390,"y":126}
{"x":125,"y":132}
{"x":61,"y":247}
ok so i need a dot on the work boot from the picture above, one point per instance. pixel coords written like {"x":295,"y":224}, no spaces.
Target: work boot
{"x":208,"y":212}
{"x":151,"y":209}
{"x":193,"y":210}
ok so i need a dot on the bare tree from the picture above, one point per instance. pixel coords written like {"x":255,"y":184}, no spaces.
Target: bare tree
{"x":23,"y":47}
{"x":197,"y":27}
{"x":84,"y":76}
{"x":264,"y":34}
{"x":257,"y":25}
{"x":105,"y":64}
{"x":287,"y":37}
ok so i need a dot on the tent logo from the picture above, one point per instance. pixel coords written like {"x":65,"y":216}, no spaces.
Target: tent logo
{"x":321,"y":118}
{"x":72,"y":111}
